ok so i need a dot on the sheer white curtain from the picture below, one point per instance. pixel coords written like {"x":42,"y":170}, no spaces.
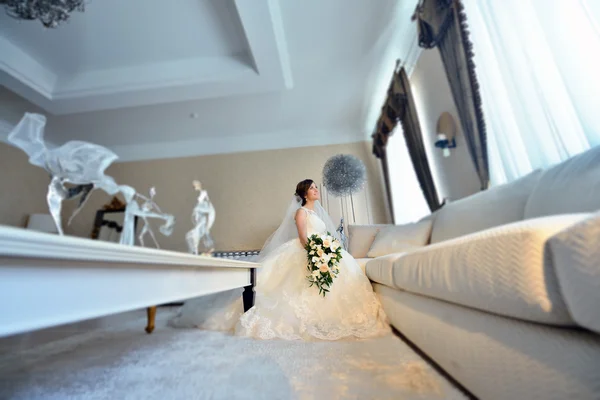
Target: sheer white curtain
{"x":538,"y":65}
{"x":409,"y":203}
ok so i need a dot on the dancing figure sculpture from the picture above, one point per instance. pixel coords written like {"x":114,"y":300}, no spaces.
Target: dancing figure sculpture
{"x":203,"y":218}
{"x":76,"y":168}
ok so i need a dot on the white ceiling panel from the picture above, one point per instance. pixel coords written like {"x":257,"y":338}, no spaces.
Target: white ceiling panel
{"x":129,"y":74}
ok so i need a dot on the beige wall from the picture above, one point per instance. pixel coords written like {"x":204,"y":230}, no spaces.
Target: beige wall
{"x":22,"y":187}
{"x":455,"y":176}
{"x":12,"y":106}
{"x":250,"y":191}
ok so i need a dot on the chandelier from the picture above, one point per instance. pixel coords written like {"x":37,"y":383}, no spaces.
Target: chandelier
{"x":51,"y":13}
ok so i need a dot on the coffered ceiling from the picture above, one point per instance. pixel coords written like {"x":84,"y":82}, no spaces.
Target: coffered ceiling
{"x":209,"y":75}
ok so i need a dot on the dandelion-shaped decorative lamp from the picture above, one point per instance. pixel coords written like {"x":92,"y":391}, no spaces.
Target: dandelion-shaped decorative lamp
{"x":343,"y":176}
{"x":446,"y":132}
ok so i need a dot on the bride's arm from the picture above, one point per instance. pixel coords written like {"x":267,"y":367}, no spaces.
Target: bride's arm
{"x":301,"y":225}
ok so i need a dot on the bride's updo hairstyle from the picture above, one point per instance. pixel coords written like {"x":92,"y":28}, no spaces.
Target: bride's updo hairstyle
{"x":302,"y":189}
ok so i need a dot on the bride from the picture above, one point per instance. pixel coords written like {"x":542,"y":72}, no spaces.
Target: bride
{"x":285,"y":306}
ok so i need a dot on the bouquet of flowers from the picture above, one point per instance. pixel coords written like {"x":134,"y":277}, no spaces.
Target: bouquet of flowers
{"x":324,"y":254}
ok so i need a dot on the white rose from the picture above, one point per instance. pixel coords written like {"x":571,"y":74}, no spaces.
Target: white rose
{"x":315,"y":260}
{"x":326,"y":242}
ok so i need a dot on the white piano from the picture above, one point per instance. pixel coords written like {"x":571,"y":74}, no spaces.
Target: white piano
{"x":48,"y":280}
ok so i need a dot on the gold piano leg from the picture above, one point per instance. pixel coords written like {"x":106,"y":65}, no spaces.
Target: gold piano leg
{"x":151,"y":312}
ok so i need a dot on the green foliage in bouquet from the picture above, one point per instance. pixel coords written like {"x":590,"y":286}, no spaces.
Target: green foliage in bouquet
{"x":324,"y":253}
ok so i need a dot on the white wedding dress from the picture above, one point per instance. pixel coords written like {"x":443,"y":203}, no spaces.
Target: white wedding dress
{"x":287,"y":308}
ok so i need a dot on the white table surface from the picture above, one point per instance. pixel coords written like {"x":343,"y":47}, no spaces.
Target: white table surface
{"x":48,"y":280}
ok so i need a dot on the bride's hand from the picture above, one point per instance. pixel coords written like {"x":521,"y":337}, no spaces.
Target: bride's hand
{"x":301,"y":225}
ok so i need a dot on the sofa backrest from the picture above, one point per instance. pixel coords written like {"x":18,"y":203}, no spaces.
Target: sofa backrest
{"x":569,"y":187}
{"x":498,"y":205}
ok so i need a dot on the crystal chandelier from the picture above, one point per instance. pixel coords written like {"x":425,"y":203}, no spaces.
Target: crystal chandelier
{"x":51,"y":13}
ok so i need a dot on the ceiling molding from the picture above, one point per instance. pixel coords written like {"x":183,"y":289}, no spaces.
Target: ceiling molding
{"x":234,"y":144}
{"x":265,"y":68}
{"x":23,"y":67}
{"x":218,"y":144}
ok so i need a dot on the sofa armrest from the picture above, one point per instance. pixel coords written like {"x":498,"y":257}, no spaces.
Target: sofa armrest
{"x":504,"y":270}
{"x":576,"y":257}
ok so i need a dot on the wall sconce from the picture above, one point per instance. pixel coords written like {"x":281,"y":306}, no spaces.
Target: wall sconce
{"x":446,"y":132}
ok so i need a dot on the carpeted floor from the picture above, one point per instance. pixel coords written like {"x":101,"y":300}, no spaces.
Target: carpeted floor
{"x":125,"y":363}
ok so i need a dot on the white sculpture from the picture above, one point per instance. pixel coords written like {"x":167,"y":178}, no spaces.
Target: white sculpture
{"x":203,"y":218}
{"x":148,"y":209}
{"x":82,"y":165}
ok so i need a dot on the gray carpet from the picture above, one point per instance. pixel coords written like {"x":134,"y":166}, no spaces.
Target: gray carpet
{"x":125,"y":363}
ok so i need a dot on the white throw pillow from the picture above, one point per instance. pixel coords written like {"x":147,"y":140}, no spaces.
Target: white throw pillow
{"x":398,"y":238}
{"x":361,"y":237}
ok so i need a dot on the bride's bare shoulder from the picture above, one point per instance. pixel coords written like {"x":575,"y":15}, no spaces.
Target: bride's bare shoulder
{"x":300,"y":214}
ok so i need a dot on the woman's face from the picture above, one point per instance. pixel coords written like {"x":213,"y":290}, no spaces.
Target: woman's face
{"x":313,"y":192}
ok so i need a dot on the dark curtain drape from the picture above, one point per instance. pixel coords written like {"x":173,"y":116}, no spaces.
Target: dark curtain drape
{"x":443,"y":24}
{"x":384,"y":129}
{"x":400,"y":107}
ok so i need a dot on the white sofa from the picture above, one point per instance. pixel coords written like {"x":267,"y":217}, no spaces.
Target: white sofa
{"x":504,"y":291}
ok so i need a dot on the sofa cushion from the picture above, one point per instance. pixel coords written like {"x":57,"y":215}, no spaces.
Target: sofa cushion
{"x":569,"y":187}
{"x":504,"y":270}
{"x":398,"y":238}
{"x":576,"y":258}
{"x":494,"y":207}
{"x":360,"y":238}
